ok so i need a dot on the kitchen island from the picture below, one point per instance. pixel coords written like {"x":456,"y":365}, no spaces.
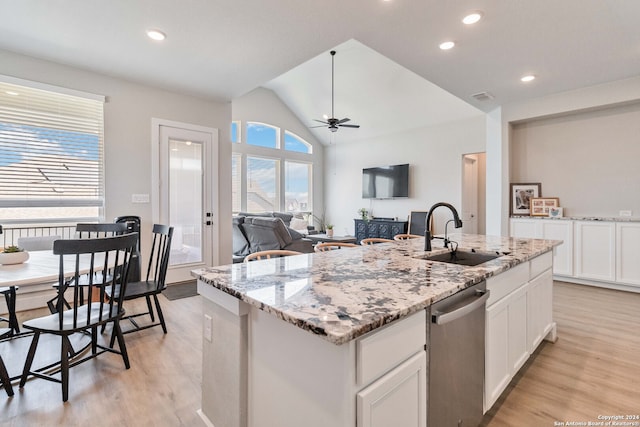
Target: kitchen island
{"x":339,"y":338}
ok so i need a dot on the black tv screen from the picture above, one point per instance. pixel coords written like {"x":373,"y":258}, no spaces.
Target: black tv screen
{"x":385,"y":182}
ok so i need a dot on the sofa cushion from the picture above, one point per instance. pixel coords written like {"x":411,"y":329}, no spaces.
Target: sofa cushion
{"x":240,"y":242}
{"x":266,"y":233}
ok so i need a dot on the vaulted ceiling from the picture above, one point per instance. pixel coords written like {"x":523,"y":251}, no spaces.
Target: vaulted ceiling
{"x":388,"y":52}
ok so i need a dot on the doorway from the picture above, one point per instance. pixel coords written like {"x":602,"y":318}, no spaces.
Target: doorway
{"x":474,"y":193}
{"x":185,"y":196}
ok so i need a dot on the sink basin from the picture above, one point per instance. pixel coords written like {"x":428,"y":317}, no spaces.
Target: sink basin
{"x":463,"y":257}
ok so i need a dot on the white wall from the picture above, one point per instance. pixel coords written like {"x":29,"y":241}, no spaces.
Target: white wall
{"x":435,"y":174}
{"x":263,"y":105}
{"x":589,"y":160}
{"x":127,"y":134}
{"x":604,"y":118}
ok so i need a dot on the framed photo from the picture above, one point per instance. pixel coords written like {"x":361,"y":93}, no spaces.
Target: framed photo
{"x":540,"y":206}
{"x":556,"y":212}
{"x":521,"y":195}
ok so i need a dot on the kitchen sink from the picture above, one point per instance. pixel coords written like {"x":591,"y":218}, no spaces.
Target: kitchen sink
{"x":462,"y":257}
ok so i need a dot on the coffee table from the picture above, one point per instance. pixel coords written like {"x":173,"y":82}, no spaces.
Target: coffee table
{"x":321,"y":237}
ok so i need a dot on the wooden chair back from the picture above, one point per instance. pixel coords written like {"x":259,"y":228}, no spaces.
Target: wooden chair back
{"x":274,"y":253}
{"x":374,"y":240}
{"x":405,"y":236}
{"x":329,"y":246}
{"x":159,"y":256}
{"x":88,"y":230}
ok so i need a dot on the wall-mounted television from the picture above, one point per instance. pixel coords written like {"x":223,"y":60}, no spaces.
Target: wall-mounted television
{"x":385,"y":182}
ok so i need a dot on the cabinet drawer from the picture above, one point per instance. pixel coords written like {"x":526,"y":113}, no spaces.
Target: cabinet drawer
{"x":541,"y":263}
{"x":507,"y":282}
{"x":384,"y":349}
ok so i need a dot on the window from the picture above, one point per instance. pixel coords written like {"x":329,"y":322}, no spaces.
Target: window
{"x":51,"y":140}
{"x":262,"y":184}
{"x":262,"y":135}
{"x":235,"y":132}
{"x":297,"y":187}
{"x":293,"y":142}
{"x":236,"y":182}
{"x":272,"y":170}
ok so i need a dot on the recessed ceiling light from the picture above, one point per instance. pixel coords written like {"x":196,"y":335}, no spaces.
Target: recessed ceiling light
{"x":447,"y":45}
{"x":12,"y":93}
{"x":528,"y":78}
{"x":325,"y":116}
{"x":188,"y":142}
{"x":472,"y":17}
{"x":156,"y":35}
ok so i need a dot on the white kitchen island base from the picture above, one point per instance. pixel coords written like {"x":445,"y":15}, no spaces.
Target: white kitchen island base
{"x":294,"y":378}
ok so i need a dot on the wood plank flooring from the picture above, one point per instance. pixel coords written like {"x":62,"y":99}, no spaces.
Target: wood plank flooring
{"x":593,"y":369}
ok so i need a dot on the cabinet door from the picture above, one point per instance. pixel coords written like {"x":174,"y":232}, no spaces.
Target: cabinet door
{"x":595,"y":250}
{"x":563,"y":254}
{"x":398,"y":398}
{"x":517,"y":344}
{"x":540,"y":309}
{"x":497,"y":370}
{"x":361,"y":229}
{"x":525,"y":228}
{"x":628,"y":253}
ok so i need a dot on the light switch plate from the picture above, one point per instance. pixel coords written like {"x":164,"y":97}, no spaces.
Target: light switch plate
{"x":625,"y":213}
{"x":139,"y":198}
{"x":206,"y":330}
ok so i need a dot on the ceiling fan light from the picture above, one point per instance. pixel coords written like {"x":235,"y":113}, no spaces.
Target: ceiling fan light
{"x":333,"y":128}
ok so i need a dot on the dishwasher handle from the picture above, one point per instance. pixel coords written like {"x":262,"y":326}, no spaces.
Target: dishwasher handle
{"x":440,"y":318}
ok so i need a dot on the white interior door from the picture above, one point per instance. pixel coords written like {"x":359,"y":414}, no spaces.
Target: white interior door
{"x":187,"y":195}
{"x":470,"y":194}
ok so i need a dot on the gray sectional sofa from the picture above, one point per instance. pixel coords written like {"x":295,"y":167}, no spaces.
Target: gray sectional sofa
{"x":270,"y":230}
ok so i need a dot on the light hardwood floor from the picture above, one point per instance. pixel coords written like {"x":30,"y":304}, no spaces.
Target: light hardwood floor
{"x":593,"y":369}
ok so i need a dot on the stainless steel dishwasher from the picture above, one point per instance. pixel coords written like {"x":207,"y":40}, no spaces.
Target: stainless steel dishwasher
{"x":456,"y":359}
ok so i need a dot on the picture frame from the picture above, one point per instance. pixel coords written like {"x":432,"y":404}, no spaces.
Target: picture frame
{"x":556,"y":212}
{"x":540,"y":205}
{"x":520,"y":197}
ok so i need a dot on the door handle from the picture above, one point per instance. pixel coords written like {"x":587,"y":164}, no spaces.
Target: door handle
{"x":440,"y":318}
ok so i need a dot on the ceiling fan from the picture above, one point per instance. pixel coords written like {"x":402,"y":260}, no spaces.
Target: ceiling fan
{"x":332,"y":123}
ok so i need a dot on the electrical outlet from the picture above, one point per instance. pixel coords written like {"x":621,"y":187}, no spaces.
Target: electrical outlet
{"x":206,"y":330}
{"x":625,"y":213}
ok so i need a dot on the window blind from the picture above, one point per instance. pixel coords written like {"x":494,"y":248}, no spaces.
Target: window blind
{"x":51,"y":148}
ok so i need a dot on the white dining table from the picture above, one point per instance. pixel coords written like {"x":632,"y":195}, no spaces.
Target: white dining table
{"x":43,"y":267}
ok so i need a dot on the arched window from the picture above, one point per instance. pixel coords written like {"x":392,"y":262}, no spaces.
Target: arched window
{"x":293,"y":142}
{"x":262,"y":135}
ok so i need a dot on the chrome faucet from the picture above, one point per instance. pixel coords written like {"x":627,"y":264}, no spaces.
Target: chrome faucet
{"x":427,"y":232}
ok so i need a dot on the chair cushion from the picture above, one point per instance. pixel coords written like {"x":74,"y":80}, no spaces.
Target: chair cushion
{"x":51,"y":322}
{"x":240,"y":242}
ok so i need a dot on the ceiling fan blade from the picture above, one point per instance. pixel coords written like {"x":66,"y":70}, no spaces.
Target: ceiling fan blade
{"x":349,"y":126}
{"x":320,"y":126}
{"x":320,"y":121}
{"x":343,"y":120}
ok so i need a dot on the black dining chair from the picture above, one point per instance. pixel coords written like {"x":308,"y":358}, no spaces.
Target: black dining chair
{"x":78,"y":258}
{"x":5,"y":381}
{"x":9,"y":294}
{"x":90,"y":230}
{"x":154,"y":282}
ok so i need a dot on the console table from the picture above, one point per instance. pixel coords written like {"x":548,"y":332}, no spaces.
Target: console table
{"x":379,"y":228}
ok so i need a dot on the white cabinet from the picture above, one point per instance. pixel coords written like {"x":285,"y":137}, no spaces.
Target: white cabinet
{"x":550,"y":229}
{"x":396,"y":399}
{"x":539,"y":309}
{"x":563,"y":254}
{"x":628,"y":253}
{"x":595,"y":250}
{"x":518,"y":317}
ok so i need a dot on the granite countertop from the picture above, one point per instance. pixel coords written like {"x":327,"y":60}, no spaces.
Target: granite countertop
{"x":343,"y":294}
{"x":583,"y":218}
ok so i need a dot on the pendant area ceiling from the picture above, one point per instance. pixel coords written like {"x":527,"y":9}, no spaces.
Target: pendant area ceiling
{"x":224,"y":49}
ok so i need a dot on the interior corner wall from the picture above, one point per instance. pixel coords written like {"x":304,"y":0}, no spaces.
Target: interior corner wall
{"x":435,"y":172}
{"x":587,"y":159}
{"x":264,"y":106}
{"x":128,"y":111}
